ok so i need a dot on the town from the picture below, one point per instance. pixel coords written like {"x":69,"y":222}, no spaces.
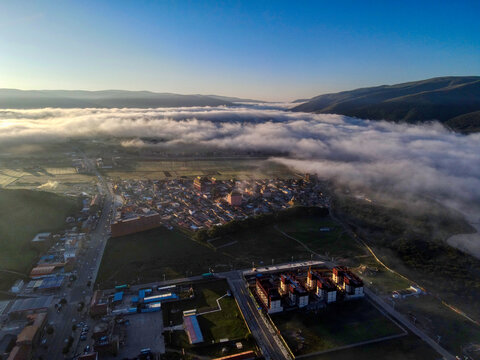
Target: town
{"x":207,"y":202}
{"x":61,"y":312}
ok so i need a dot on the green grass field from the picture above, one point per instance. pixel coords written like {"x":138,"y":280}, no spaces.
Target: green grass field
{"x":146,"y":256}
{"x":222,"y":169}
{"x":337,"y":325}
{"x":336,"y":243}
{"x":404,"y":348}
{"x":225,"y":324}
{"x":437,"y":320}
{"x":22,"y":215}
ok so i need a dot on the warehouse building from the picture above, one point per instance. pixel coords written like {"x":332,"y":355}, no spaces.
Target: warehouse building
{"x":192,"y":328}
{"x":31,"y":305}
{"x":135,"y":224}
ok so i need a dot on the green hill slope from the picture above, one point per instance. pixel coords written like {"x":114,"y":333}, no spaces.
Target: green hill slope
{"x":441,"y":99}
{"x":23,"y":214}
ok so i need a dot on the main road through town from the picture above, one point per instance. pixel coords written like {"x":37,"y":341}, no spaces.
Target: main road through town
{"x":88,"y":264}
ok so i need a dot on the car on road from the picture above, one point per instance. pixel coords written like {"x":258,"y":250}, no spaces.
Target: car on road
{"x":83,"y":337}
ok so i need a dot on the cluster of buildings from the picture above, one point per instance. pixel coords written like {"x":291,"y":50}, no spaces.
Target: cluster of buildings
{"x":319,"y":287}
{"x":82,"y":167}
{"x":20,"y":346}
{"x":112,"y":309}
{"x":36,"y":296}
{"x":58,"y":262}
{"x":89,"y":215}
{"x":54,"y":266}
{"x":52,"y":269}
{"x":206,"y":201}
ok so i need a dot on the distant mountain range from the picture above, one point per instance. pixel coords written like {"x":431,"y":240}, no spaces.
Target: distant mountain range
{"x":236,"y":99}
{"x":30,"y":99}
{"x":454,"y":101}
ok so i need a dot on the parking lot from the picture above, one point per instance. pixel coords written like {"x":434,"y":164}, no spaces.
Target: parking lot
{"x":143,"y":331}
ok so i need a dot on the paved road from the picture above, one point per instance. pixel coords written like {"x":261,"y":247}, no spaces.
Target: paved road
{"x":87,"y":268}
{"x":387,"y":307}
{"x":264,"y":334}
{"x":404,"y":321}
{"x":267,"y":339}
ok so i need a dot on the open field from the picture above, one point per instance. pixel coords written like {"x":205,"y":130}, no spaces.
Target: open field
{"x":225,"y":324}
{"x":437,"y":320}
{"x":412,"y":241}
{"x":404,"y":348}
{"x":338,"y":325}
{"x":334,"y":243}
{"x":47,"y":177}
{"x":147,"y":256}
{"x":338,"y":244}
{"x":22,"y":215}
{"x":222,"y":169}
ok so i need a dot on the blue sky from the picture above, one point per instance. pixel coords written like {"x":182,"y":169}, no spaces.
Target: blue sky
{"x":271,"y":50}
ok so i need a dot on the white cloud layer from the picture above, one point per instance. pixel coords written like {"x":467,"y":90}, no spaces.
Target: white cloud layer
{"x":425,"y":159}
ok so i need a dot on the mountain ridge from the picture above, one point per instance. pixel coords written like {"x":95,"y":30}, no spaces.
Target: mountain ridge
{"x":442,"y":99}
{"x":29,"y":99}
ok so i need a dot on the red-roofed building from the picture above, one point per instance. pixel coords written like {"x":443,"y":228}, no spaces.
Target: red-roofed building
{"x":324,"y":287}
{"x":234,"y":198}
{"x":326,"y":290}
{"x":269,"y":295}
{"x":296,"y":292}
{"x":135,"y":224}
{"x":348,"y":281}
